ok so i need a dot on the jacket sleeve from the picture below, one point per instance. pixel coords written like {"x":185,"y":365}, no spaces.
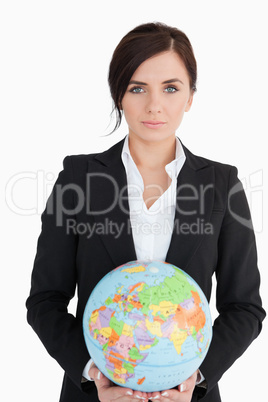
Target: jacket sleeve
{"x":237,"y":295}
{"x":54,"y":280}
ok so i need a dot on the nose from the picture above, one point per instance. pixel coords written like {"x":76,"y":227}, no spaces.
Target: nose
{"x":153,"y":104}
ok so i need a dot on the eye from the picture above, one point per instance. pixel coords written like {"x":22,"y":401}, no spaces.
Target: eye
{"x":136,"y":90}
{"x":171,"y":90}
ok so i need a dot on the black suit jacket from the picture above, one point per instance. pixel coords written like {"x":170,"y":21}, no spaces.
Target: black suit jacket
{"x":212,"y":235}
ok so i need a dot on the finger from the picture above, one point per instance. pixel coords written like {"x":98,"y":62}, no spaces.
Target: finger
{"x":143,"y":396}
{"x":102,"y":383}
{"x":95,"y":373}
{"x":183,"y":387}
{"x":170,"y":395}
{"x":174,"y":394}
{"x":108,"y":391}
{"x":188,"y":384}
{"x":155,"y":396}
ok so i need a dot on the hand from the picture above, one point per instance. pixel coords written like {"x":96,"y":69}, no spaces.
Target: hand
{"x":182,"y":394}
{"x":108,"y":392}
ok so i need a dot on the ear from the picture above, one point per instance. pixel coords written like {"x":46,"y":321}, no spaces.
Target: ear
{"x":189,"y":102}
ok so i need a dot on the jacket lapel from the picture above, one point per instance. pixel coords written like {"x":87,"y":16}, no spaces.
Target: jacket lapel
{"x":109,"y":204}
{"x":108,"y":199}
{"x":195,"y":198}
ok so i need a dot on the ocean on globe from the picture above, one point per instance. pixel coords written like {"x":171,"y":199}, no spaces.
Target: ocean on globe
{"x":147,"y":325}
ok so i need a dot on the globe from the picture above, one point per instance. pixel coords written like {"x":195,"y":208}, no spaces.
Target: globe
{"x":147,"y":325}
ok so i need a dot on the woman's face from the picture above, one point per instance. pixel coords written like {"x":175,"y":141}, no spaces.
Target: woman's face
{"x":157,"y":96}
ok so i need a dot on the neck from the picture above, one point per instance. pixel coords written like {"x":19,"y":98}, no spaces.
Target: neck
{"x":153,"y":155}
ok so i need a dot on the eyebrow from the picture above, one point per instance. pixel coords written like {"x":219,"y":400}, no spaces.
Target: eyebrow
{"x":164,"y":82}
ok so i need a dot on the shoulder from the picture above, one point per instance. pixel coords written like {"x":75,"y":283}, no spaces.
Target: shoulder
{"x":222,"y":176}
{"x":78,"y":161}
{"x":197,"y":162}
{"x":81,"y":162}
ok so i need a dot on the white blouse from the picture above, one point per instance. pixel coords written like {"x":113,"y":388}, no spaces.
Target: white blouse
{"x":152,"y":228}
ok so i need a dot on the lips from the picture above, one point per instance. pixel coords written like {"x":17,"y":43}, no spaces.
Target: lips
{"x":154,"y":124}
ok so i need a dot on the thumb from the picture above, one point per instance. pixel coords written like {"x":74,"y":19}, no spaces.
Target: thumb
{"x":95,"y":373}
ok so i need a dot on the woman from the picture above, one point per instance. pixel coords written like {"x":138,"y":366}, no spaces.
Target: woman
{"x":150,"y":179}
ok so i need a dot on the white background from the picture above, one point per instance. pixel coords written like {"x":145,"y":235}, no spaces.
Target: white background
{"x":55,"y":101}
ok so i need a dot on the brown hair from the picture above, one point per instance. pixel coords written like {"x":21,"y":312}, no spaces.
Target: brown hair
{"x":140,"y":44}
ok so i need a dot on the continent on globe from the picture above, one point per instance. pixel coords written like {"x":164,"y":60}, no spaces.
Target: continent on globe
{"x":139,"y":268}
{"x":147,"y":325}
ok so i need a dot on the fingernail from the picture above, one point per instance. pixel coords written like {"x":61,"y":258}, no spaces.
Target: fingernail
{"x":155,"y":397}
{"x":98,"y":375}
{"x":129,"y":393}
{"x":164,"y":394}
{"x":182,"y":387}
{"x":139,"y":397}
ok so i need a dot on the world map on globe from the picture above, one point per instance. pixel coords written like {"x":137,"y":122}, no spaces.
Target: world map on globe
{"x":147,"y":325}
